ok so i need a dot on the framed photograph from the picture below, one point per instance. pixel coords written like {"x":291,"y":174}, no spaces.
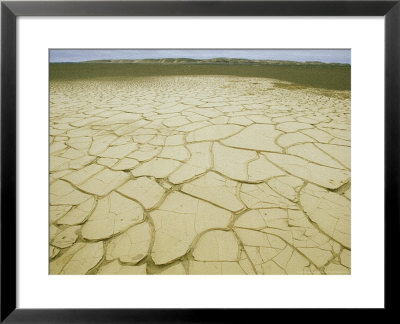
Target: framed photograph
{"x":190,"y":160}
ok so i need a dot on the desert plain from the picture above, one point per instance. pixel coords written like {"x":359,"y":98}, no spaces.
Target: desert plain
{"x":198,"y":174}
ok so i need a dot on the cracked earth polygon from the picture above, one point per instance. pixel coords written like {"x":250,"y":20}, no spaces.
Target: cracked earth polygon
{"x":198,"y":174}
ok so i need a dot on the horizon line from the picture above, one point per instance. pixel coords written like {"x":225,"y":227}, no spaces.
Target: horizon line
{"x":197,"y":59}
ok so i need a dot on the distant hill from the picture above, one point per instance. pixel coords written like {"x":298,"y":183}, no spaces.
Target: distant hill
{"x":220,"y":60}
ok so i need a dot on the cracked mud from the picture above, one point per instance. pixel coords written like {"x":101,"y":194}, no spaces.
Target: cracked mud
{"x":198,"y":175}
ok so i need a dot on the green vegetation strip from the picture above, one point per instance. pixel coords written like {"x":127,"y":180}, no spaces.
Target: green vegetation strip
{"x":315,"y":75}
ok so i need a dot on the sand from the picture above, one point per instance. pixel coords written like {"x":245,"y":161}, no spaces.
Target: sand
{"x":198,"y":175}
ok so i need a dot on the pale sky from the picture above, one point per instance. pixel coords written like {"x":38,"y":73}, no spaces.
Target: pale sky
{"x":299,"y":55}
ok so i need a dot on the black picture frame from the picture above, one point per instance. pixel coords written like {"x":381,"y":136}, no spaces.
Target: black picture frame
{"x":11,"y":10}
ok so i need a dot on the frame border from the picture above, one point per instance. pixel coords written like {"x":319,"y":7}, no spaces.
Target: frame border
{"x":9,"y":13}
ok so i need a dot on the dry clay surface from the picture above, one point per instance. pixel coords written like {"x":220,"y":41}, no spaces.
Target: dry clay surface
{"x":198,"y":175}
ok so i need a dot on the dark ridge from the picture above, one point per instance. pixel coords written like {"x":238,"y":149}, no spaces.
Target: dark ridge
{"x":217,"y":60}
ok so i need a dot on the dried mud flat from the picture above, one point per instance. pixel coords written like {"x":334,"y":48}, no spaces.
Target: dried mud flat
{"x":198,"y":175}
